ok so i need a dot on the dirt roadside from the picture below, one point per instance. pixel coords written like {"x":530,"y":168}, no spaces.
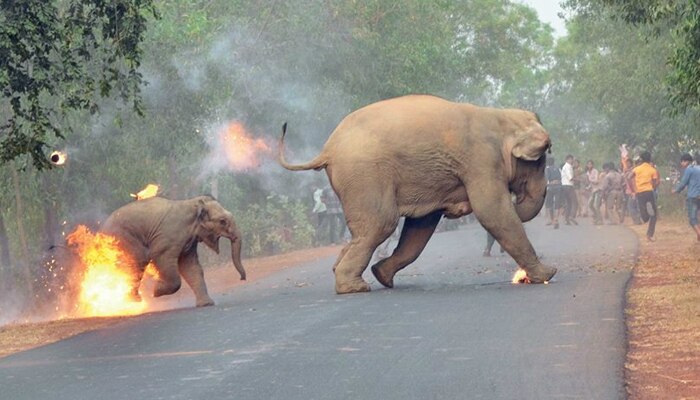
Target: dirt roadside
{"x":663,"y":316}
{"x":19,"y":337}
{"x":663,"y":312}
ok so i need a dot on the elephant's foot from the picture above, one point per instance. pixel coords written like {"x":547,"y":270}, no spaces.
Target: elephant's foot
{"x":207,"y":301}
{"x":164,"y":288}
{"x":386,"y":278}
{"x":352,"y":286}
{"x":540,"y":274}
{"x":135,"y":296}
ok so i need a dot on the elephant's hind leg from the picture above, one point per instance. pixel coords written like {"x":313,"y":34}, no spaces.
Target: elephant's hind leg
{"x":191,"y":270}
{"x":366,"y":236}
{"x":414,"y":236}
{"x":168,"y":277}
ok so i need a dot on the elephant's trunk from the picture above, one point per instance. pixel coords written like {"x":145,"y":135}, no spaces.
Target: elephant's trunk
{"x":529,"y":207}
{"x":530,"y":188}
{"x":236,"y":255}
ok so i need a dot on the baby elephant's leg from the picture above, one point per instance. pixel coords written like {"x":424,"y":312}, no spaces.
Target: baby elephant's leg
{"x":168,"y":276}
{"x":191,"y":270}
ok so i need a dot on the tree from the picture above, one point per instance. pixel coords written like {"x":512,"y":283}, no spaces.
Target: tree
{"x":682,"y":19}
{"x":612,"y":76}
{"x":57,"y":57}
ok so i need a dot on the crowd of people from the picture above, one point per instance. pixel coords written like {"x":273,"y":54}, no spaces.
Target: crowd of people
{"x":618,"y":191}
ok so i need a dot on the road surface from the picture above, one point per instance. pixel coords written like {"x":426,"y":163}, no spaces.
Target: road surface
{"x":452,"y":328}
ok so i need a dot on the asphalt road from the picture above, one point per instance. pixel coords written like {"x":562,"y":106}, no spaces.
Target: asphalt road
{"x":452,"y":328}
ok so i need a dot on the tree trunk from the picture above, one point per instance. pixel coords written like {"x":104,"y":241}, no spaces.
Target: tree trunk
{"x":19,"y":212}
{"x":50,"y":218}
{"x":5,"y":259}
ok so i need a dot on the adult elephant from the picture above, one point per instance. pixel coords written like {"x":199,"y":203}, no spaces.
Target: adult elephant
{"x":167,"y":232}
{"x":423,"y":157}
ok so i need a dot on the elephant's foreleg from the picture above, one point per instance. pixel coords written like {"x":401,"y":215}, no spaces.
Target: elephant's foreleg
{"x":191,"y":270}
{"x":414,"y":236}
{"x":493,"y":207}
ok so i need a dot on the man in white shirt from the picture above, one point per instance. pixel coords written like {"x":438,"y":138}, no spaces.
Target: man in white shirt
{"x":321,"y":212}
{"x":567,"y":187}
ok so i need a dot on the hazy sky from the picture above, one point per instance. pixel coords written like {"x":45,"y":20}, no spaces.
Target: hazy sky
{"x":547,"y":10}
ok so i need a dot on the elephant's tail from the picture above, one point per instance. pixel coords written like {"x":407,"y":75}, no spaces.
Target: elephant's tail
{"x":317,"y":163}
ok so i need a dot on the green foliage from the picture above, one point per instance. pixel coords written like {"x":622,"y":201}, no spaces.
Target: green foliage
{"x":59,"y":57}
{"x":210,"y":62}
{"x":276,"y":225}
{"x":681,"y":18}
{"x":610,"y":78}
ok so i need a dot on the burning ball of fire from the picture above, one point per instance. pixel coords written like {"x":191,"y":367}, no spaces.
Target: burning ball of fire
{"x":149,"y":191}
{"x":521,"y":277}
{"x":106,"y":284}
{"x":241,"y":150}
{"x":58,"y":157}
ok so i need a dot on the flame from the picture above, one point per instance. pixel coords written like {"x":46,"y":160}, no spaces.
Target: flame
{"x":242,"y":151}
{"x":58,"y":157}
{"x":520,"y":277}
{"x":105,"y":288}
{"x":150,"y":190}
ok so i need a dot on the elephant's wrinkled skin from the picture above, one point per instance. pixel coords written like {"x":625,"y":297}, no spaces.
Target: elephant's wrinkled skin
{"x":423,"y":157}
{"x":167,"y":232}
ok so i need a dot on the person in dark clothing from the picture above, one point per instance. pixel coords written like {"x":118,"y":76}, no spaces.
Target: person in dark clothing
{"x":336,"y":223}
{"x":691,"y":180}
{"x":320,"y":212}
{"x":554,"y":200}
{"x":490,"y":240}
{"x":613,"y":186}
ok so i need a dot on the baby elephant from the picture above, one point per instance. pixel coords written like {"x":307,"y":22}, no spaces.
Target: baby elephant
{"x":167,"y":232}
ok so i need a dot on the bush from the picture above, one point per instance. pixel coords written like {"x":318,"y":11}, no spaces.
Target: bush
{"x":275,"y":226}
{"x":671,"y":205}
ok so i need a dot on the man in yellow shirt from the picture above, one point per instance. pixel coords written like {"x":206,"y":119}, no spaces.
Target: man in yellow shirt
{"x":646,"y":179}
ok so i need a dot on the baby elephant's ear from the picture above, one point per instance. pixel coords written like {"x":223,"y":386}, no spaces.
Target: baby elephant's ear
{"x":531,"y":143}
{"x":202,"y":212}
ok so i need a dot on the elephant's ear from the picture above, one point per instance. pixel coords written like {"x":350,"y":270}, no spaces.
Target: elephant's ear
{"x":204,"y":233}
{"x":202,"y":213}
{"x":530,"y":143}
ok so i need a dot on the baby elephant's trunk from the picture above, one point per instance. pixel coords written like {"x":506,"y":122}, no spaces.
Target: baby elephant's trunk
{"x":236,"y":255}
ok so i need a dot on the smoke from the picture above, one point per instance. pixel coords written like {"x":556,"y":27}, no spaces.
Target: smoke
{"x":264,"y":93}
{"x":246,"y":75}
{"x":12,"y":304}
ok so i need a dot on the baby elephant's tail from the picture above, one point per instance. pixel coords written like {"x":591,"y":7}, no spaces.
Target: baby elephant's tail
{"x":317,"y":163}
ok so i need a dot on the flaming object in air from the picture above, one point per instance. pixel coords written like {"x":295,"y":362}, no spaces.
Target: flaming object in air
{"x":58,"y":157}
{"x":105,"y":287}
{"x":241,"y":150}
{"x":150,"y":190}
